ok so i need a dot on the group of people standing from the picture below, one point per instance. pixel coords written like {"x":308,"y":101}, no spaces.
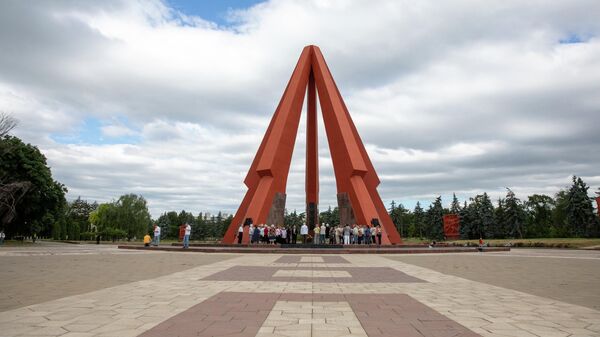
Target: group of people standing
{"x":355,"y":234}
{"x":323,"y":234}
{"x":156,"y":239}
{"x":269,"y":234}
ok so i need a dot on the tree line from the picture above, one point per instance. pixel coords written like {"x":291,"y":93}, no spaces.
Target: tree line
{"x":33,"y":203}
{"x":569,"y":213}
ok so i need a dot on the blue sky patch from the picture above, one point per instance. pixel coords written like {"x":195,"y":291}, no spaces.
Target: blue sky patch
{"x":90,"y":131}
{"x":215,"y":11}
{"x":573,"y":38}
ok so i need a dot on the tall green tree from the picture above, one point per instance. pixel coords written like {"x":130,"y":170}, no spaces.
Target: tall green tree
{"x":434,"y":224}
{"x":485,"y":216}
{"x":478,"y":218}
{"x":419,"y":219}
{"x":467,"y":220}
{"x":399,"y":215}
{"x":514,"y":216}
{"x":133,"y":215}
{"x":169,"y":224}
{"x":77,"y":217}
{"x":560,"y":228}
{"x":40,"y":200}
{"x":539,"y":210}
{"x":103,"y":220}
{"x":502,"y":228}
{"x":455,"y":206}
{"x":127,"y":217}
{"x":581,"y":219}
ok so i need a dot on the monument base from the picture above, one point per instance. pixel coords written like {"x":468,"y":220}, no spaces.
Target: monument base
{"x":345,"y":209}
{"x":277,"y":213}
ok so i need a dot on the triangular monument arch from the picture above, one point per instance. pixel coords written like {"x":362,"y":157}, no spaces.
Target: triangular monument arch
{"x":356,"y":179}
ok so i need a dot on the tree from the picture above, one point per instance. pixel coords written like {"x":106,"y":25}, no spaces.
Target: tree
{"x":133,"y":215}
{"x":560,"y":228}
{"x":78,"y":218}
{"x":455,"y":206}
{"x":129,"y":215}
{"x":104,"y":217}
{"x":30,"y":199}
{"x":514,"y":217}
{"x":419,"y":219}
{"x":169,"y":223}
{"x":399,"y":215}
{"x":502,"y":227}
{"x":7,"y":123}
{"x":478,"y":218}
{"x":580,"y":217}
{"x":467,"y":219}
{"x":434,"y":225}
{"x":485,"y":216}
{"x":298,"y":219}
{"x":539,"y":210}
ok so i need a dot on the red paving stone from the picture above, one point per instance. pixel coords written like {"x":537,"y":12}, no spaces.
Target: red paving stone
{"x":358,"y":275}
{"x":242,"y":315}
{"x":298,"y":258}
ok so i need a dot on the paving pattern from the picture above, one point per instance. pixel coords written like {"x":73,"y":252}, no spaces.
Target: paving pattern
{"x":218,"y":299}
{"x":45,"y":272}
{"x":317,"y":315}
{"x":570,"y":276}
{"x":317,"y":273}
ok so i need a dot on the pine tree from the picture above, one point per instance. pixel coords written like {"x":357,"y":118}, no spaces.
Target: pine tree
{"x":434,"y":228}
{"x":466,"y":222}
{"x":455,"y":206}
{"x":514,"y":215}
{"x":581,"y":219}
{"x":501,"y":229}
{"x":419,"y":219}
{"x":483,"y":218}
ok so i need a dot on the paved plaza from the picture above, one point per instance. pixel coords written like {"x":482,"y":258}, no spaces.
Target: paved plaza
{"x":88,"y":290}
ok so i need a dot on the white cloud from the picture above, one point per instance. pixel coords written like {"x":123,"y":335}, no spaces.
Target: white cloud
{"x":448,"y":96}
{"x":117,"y":131}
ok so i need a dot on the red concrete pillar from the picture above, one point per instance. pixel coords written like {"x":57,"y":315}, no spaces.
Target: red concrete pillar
{"x":312,"y":156}
{"x":269,"y":171}
{"x":354,"y":172}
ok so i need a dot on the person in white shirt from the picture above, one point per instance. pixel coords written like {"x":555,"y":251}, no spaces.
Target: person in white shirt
{"x":323,"y":231}
{"x":347,"y":231}
{"x":250,"y":232}
{"x":240,"y":233}
{"x":2,"y":236}
{"x":186,"y":236}
{"x":354,"y":234}
{"x":156,"y":235}
{"x":304,"y":232}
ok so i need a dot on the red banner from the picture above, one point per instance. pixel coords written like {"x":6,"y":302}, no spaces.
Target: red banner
{"x":452,"y":226}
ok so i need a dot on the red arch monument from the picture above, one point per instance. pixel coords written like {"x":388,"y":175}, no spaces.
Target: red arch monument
{"x":356,"y":179}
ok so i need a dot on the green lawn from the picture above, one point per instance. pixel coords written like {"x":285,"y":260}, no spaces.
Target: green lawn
{"x":537,"y":242}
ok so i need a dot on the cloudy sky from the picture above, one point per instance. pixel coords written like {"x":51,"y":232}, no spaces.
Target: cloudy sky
{"x":170,"y":99}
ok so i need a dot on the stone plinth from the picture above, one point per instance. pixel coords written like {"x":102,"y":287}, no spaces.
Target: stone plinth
{"x":276,"y":214}
{"x":312,"y":215}
{"x":345,"y":209}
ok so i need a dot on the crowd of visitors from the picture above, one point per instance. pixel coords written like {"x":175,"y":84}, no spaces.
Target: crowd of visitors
{"x":322,"y":234}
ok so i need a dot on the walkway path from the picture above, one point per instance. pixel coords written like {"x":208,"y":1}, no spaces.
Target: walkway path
{"x":294,"y":295}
